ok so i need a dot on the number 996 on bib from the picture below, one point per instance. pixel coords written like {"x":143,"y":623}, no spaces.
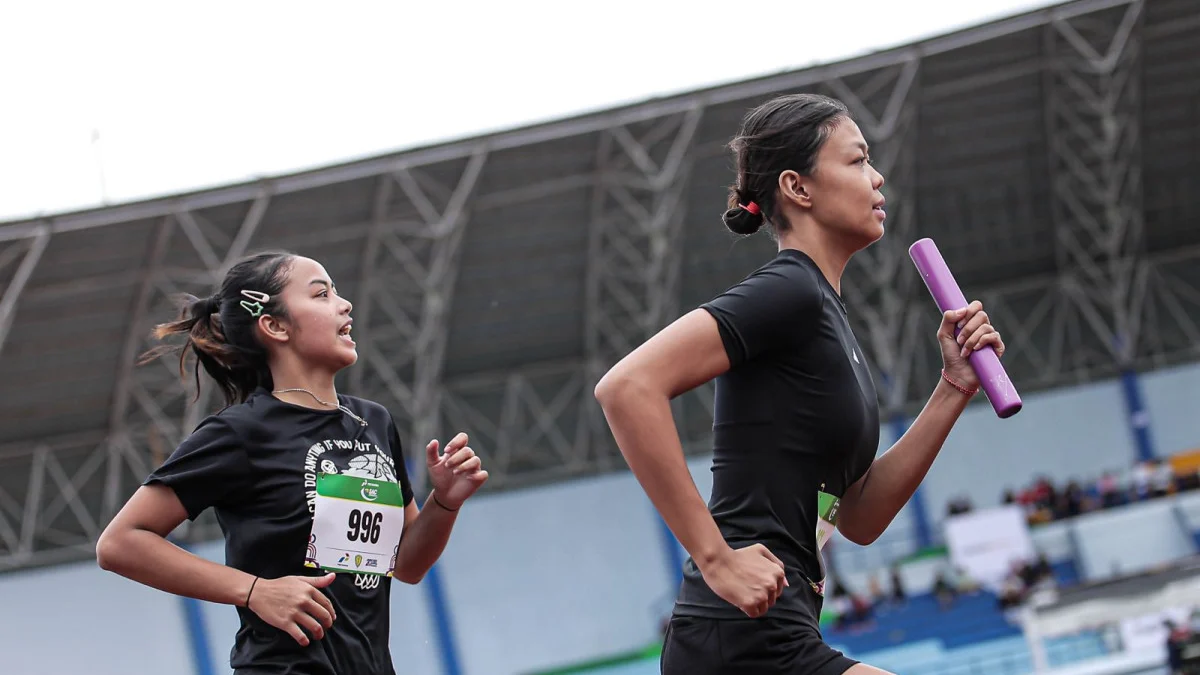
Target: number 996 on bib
{"x":357,"y":523}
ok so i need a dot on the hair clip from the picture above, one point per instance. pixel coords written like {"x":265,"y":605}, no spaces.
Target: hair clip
{"x":255,"y":308}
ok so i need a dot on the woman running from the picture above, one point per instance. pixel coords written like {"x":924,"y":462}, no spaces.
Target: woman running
{"x":302,"y":480}
{"x":796,"y":421}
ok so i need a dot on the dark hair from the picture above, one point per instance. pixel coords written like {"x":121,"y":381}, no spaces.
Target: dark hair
{"x":220,"y":329}
{"x":783,"y":133}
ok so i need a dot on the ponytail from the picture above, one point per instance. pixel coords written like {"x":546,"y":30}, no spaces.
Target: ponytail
{"x":221,"y":333}
{"x":199,"y":321}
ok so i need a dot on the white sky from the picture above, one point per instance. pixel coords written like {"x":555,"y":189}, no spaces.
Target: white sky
{"x":190,"y":95}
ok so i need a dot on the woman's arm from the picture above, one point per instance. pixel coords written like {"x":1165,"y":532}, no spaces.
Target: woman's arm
{"x":456,"y":475}
{"x":873,"y":501}
{"x":134,"y":545}
{"x":635,"y":395}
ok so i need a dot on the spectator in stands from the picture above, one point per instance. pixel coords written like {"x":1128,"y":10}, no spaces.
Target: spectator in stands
{"x":1177,"y":638}
{"x":1140,"y":481}
{"x":1047,"y":494}
{"x":854,"y":611}
{"x":960,"y":504}
{"x":1037,"y":573}
{"x":1071,"y":502}
{"x":943,"y":590}
{"x":1044,"y":502}
{"x":1012,"y":589}
{"x":1162,"y":479}
{"x":1110,"y":492}
{"x":898,"y":594}
{"x":875,"y":589}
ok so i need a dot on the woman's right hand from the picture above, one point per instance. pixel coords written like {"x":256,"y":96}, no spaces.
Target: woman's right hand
{"x":294,"y":603}
{"x":750,"y":578}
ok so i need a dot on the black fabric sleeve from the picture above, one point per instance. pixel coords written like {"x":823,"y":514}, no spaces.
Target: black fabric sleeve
{"x":397,"y":450}
{"x":209,"y":468}
{"x":772,"y":305}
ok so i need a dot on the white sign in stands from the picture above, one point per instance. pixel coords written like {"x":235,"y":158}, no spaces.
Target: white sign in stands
{"x":985,"y":544}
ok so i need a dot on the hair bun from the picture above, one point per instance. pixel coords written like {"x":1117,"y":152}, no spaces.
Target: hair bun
{"x":742,"y":221}
{"x":204,"y":307}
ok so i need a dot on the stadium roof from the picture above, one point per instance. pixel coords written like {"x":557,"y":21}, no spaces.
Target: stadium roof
{"x":1051,"y":155}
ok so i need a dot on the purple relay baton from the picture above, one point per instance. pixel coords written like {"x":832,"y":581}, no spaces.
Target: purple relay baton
{"x":932,"y":268}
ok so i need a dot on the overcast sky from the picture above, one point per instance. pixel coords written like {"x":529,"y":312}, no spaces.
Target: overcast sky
{"x":127,"y":99}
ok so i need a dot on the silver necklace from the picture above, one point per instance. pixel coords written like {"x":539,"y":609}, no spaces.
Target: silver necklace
{"x":325,"y":403}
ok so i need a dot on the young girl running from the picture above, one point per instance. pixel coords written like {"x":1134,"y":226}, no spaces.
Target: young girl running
{"x":303,"y":480}
{"x":796,"y":423}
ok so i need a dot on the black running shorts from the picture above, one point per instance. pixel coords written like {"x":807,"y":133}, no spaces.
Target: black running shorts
{"x":771,"y":646}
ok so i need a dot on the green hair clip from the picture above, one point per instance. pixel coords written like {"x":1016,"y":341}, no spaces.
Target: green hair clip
{"x":255,"y":308}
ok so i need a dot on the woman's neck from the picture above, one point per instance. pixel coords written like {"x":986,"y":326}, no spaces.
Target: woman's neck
{"x":830,"y":257}
{"x":305,"y":384}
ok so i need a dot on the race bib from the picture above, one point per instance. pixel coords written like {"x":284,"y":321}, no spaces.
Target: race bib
{"x":827,"y":510}
{"x":357,"y":524}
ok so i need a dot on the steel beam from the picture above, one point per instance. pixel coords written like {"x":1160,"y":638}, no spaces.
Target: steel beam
{"x":1093,"y":117}
{"x":539,"y":419}
{"x":57,"y":509}
{"x":1042,"y":328}
{"x":363,"y":307}
{"x":147,"y":401}
{"x":880,"y":285}
{"x":528,"y":419}
{"x":119,"y":445}
{"x":405,"y":300}
{"x":1171,"y":309}
{"x":12,"y":292}
{"x":198,"y":270}
{"x":634,"y":252}
{"x":580,"y":126}
{"x":151,"y":412}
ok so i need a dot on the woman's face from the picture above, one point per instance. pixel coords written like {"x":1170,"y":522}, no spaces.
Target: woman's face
{"x":844,"y":187}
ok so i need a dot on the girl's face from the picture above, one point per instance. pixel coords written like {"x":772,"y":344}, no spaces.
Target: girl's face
{"x":317,"y":327}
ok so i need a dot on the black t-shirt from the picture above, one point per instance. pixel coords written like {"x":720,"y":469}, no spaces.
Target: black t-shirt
{"x":255,"y":464}
{"x":796,"y":414}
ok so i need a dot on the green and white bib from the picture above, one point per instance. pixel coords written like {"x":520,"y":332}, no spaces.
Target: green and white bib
{"x":827,"y":513}
{"x":357,"y":523}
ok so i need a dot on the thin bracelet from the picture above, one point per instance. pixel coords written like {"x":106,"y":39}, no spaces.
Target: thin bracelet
{"x":439,"y":503}
{"x":956,"y":385}
{"x":250,"y":591}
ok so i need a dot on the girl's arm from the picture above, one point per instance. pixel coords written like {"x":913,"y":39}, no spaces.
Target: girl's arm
{"x":135,"y":546}
{"x":426,"y":533}
{"x":456,"y":475}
